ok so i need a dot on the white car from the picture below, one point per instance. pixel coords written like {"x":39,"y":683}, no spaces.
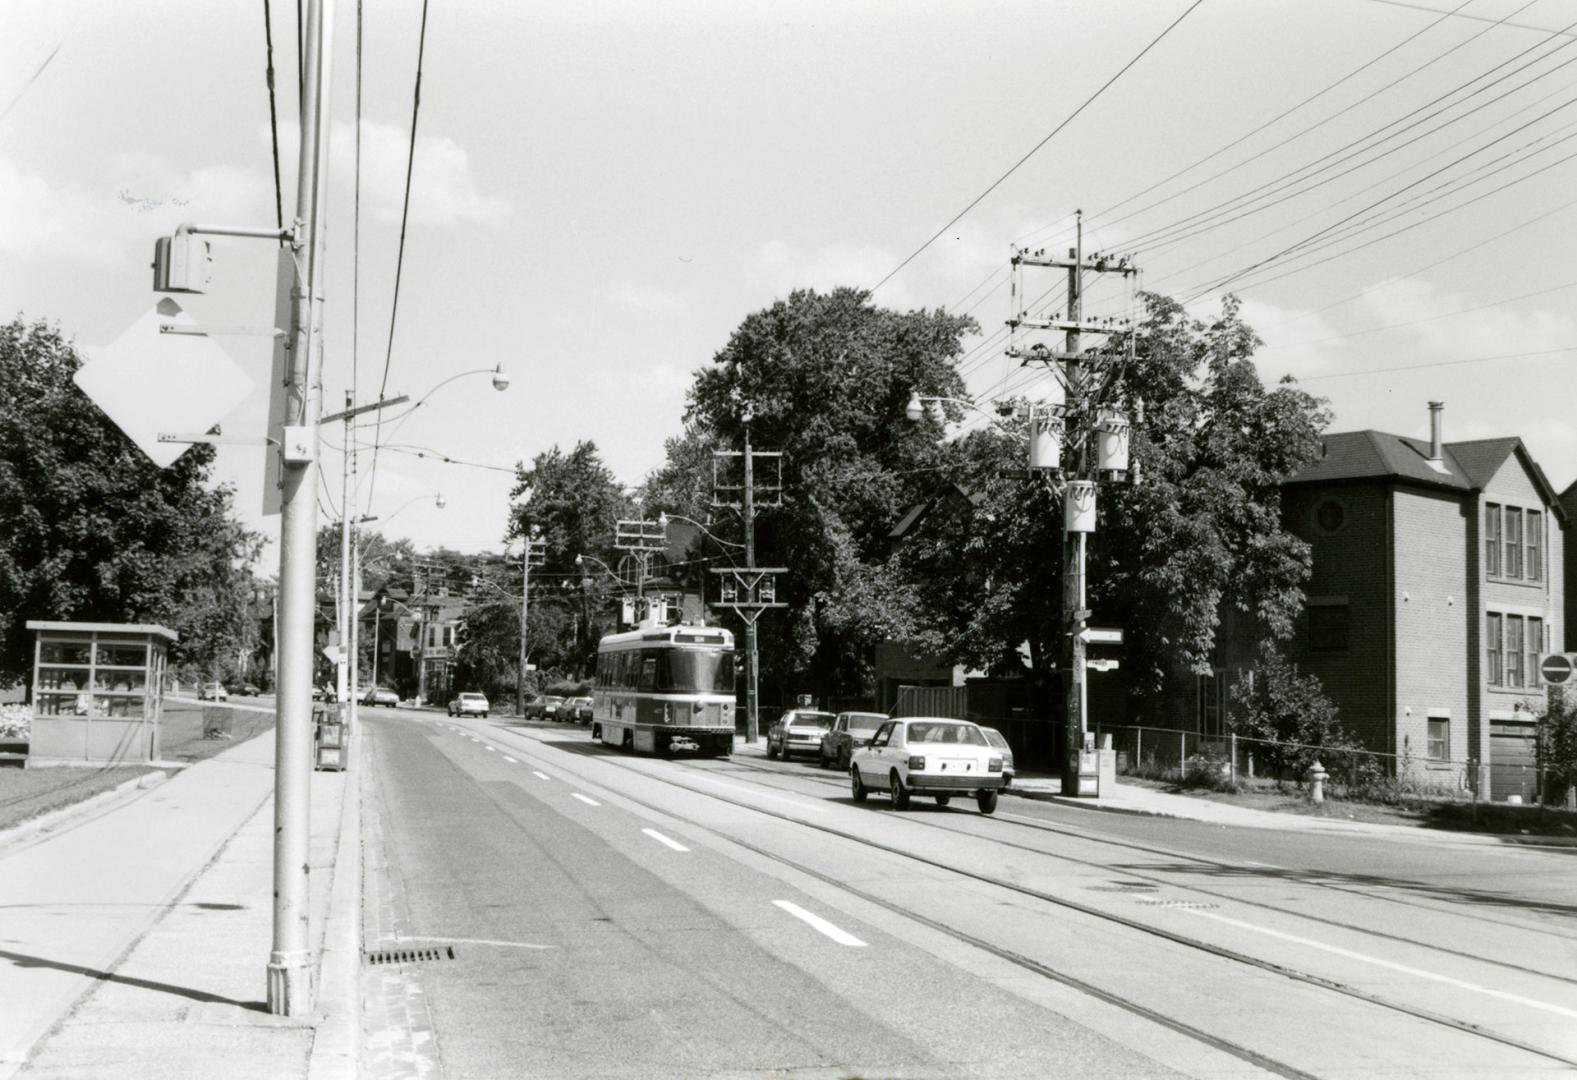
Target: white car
{"x":998,"y":740}
{"x":928,"y":755}
{"x":798,"y":731}
{"x":213,"y":692}
{"x":469,"y":705}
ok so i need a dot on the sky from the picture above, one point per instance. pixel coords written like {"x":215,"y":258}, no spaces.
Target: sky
{"x":602,"y":191}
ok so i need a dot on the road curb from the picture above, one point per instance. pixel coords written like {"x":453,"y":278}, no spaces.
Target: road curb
{"x":336,"y":1042}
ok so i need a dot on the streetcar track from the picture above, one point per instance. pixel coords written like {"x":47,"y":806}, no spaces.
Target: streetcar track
{"x":1099,"y":914}
{"x":1205,"y":861}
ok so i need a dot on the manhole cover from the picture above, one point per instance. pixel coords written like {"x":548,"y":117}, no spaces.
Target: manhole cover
{"x":408,"y":956}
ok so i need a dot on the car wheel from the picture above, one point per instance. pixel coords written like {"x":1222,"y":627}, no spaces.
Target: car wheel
{"x":943,"y":800}
{"x":857,"y":784}
{"x":987,"y":801}
{"x":771,"y":750}
{"x":900,"y":793}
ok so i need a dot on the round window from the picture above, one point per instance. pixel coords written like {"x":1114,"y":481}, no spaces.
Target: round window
{"x":1330,"y":515}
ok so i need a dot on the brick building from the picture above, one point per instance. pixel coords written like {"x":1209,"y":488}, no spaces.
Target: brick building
{"x":1438,"y":579}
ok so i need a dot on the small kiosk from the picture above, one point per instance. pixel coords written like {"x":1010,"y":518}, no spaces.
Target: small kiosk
{"x":97,"y":692}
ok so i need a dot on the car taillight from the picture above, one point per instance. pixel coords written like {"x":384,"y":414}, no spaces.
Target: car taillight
{"x":668,"y":713}
{"x":916,"y":762}
{"x":994,"y":765}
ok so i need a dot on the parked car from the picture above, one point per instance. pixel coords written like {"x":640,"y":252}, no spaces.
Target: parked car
{"x":848,"y":730}
{"x":544,"y":707}
{"x":380,"y":695}
{"x":576,"y":710}
{"x":1000,"y":742}
{"x":246,"y":689}
{"x":928,"y":755}
{"x":212,"y":692}
{"x":798,"y":731}
{"x":469,"y":705}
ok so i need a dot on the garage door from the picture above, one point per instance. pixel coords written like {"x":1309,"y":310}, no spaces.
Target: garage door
{"x":1513,"y":765}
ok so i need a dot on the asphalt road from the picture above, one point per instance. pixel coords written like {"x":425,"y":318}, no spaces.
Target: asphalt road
{"x":616,"y":916}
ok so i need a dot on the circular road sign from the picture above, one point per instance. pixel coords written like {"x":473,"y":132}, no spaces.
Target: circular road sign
{"x":1556,"y":668}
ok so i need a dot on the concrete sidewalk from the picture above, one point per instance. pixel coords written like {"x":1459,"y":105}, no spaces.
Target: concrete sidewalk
{"x":135,"y":939}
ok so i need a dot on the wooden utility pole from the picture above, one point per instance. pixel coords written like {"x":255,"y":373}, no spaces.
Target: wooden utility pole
{"x":1089,"y":380}
{"x":749,"y":590}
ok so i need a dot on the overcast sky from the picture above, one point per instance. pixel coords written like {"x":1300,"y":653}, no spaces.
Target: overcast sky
{"x":602,"y":191}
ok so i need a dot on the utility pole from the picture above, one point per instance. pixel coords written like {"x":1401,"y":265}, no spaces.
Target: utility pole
{"x":533,"y":554}
{"x":342,"y":678}
{"x":290,"y":967}
{"x":750,"y":589}
{"x":641,"y":539}
{"x":1089,"y":380}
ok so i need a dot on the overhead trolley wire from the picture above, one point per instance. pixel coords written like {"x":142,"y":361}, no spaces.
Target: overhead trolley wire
{"x":1459,"y":14}
{"x":405,"y":212}
{"x":1035,"y":149}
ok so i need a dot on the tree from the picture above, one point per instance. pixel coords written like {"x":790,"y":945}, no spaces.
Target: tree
{"x":1557,"y":748}
{"x":91,"y":530}
{"x":1287,"y":711}
{"x":1200,"y":532}
{"x":824,"y":378}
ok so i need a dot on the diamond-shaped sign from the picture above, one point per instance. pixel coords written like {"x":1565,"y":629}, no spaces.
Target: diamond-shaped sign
{"x":151,"y":383}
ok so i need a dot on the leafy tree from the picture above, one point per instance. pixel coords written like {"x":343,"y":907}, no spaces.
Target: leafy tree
{"x":1273,"y":703}
{"x":1557,"y":747}
{"x":824,"y":379}
{"x":91,"y":530}
{"x":1200,"y":531}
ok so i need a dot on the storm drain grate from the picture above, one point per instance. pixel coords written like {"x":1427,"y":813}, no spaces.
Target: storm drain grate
{"x":408,"y":956}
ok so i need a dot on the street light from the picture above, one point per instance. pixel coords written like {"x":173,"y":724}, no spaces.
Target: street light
{"x":581,"y":560}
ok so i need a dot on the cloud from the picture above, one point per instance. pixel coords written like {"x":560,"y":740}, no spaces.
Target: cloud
{"x":444,"y":187}
{"x":1439,"y":325}
{"x":646,"y":299}
{"x":131,"y":199}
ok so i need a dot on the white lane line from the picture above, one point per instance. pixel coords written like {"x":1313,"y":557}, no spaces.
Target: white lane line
{"x":511,"y":760}
{"x":798,"y":803}
{"x":540,"y":775}
{"x":661,"y":839}
{"x":490,"y":750}
{"x":841,"y":936}
{"x":1460,"y":984}
{"x":587,"y":799}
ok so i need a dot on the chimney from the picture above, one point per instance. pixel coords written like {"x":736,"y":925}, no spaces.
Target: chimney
{"x":1437,"y":447}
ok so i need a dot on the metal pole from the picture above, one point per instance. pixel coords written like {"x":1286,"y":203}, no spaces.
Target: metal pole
{"x":377,"y":625}
{"x":290,"y":967}
{"x":752,"y":722}
{"x":341,"y":672}
{"x":355,"y":624}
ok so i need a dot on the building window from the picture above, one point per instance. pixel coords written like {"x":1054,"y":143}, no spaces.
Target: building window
{"x":1535,"y":645}
{"x":1513,"y":532}
{"x":1533,"y":535}
{"x":1492,"y":539}
{"x":1439,"y":747}
{"x":1212,"y":702}
{"x":1513,"y":650}
{"x":1492,"y":638}
{"x":1328,"y":626}
{"x":1329,"y":515}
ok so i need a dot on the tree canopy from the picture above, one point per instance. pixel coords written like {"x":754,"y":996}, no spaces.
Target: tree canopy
{"x":91,"y":530}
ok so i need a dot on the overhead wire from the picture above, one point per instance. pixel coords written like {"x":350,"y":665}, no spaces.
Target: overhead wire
{"x":405,"y":211}
{"x":1036,"y":148}
{"x":273,"y":112}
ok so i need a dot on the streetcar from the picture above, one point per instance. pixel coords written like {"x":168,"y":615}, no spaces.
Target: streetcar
{"x":666,"y":690}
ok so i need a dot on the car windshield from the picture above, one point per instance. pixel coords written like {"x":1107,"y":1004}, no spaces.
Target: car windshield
{"x":862,"y":721}
{"x":931,"y":731}
{"x":994,"y":737}
{"x":472,"y":697}
{"x":553,"y":699}
{"x":821,"y":720}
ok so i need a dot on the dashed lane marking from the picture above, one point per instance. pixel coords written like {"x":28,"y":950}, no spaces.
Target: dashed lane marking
{"x":540,"y":775}
{"x":587,"y":799}
{"x":836,"y":933}
{"x":511,"y":760}
{"x":490,"y":750}
{"x":661,"y":839}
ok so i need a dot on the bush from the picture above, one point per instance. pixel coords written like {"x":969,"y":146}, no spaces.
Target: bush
{"x":16,"y":722}
{"x":1557,"y":746}
{"x":1289,"y":714}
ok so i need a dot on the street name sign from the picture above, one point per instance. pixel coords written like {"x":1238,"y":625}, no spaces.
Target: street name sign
{"x":150,"y":383}
{"x":1097,"y":635}
{"x":1556,"y":668}
{"x":1101,"y":665}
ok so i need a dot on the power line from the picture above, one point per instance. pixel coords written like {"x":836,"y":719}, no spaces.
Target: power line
{"x":1435,"y":364}
{"x":28,"y":85}
{"x":405,"y":211}
{"x":273,"y":113}
{"x":1036,"y":148}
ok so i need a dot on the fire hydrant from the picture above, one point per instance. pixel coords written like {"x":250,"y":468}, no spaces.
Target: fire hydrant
{"x":1317,"y":775}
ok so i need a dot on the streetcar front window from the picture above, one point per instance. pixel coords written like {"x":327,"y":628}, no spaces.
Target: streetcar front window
{"x":702,"y":672}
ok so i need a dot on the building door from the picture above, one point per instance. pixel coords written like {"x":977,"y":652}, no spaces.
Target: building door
{"x":1513,"y":762}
